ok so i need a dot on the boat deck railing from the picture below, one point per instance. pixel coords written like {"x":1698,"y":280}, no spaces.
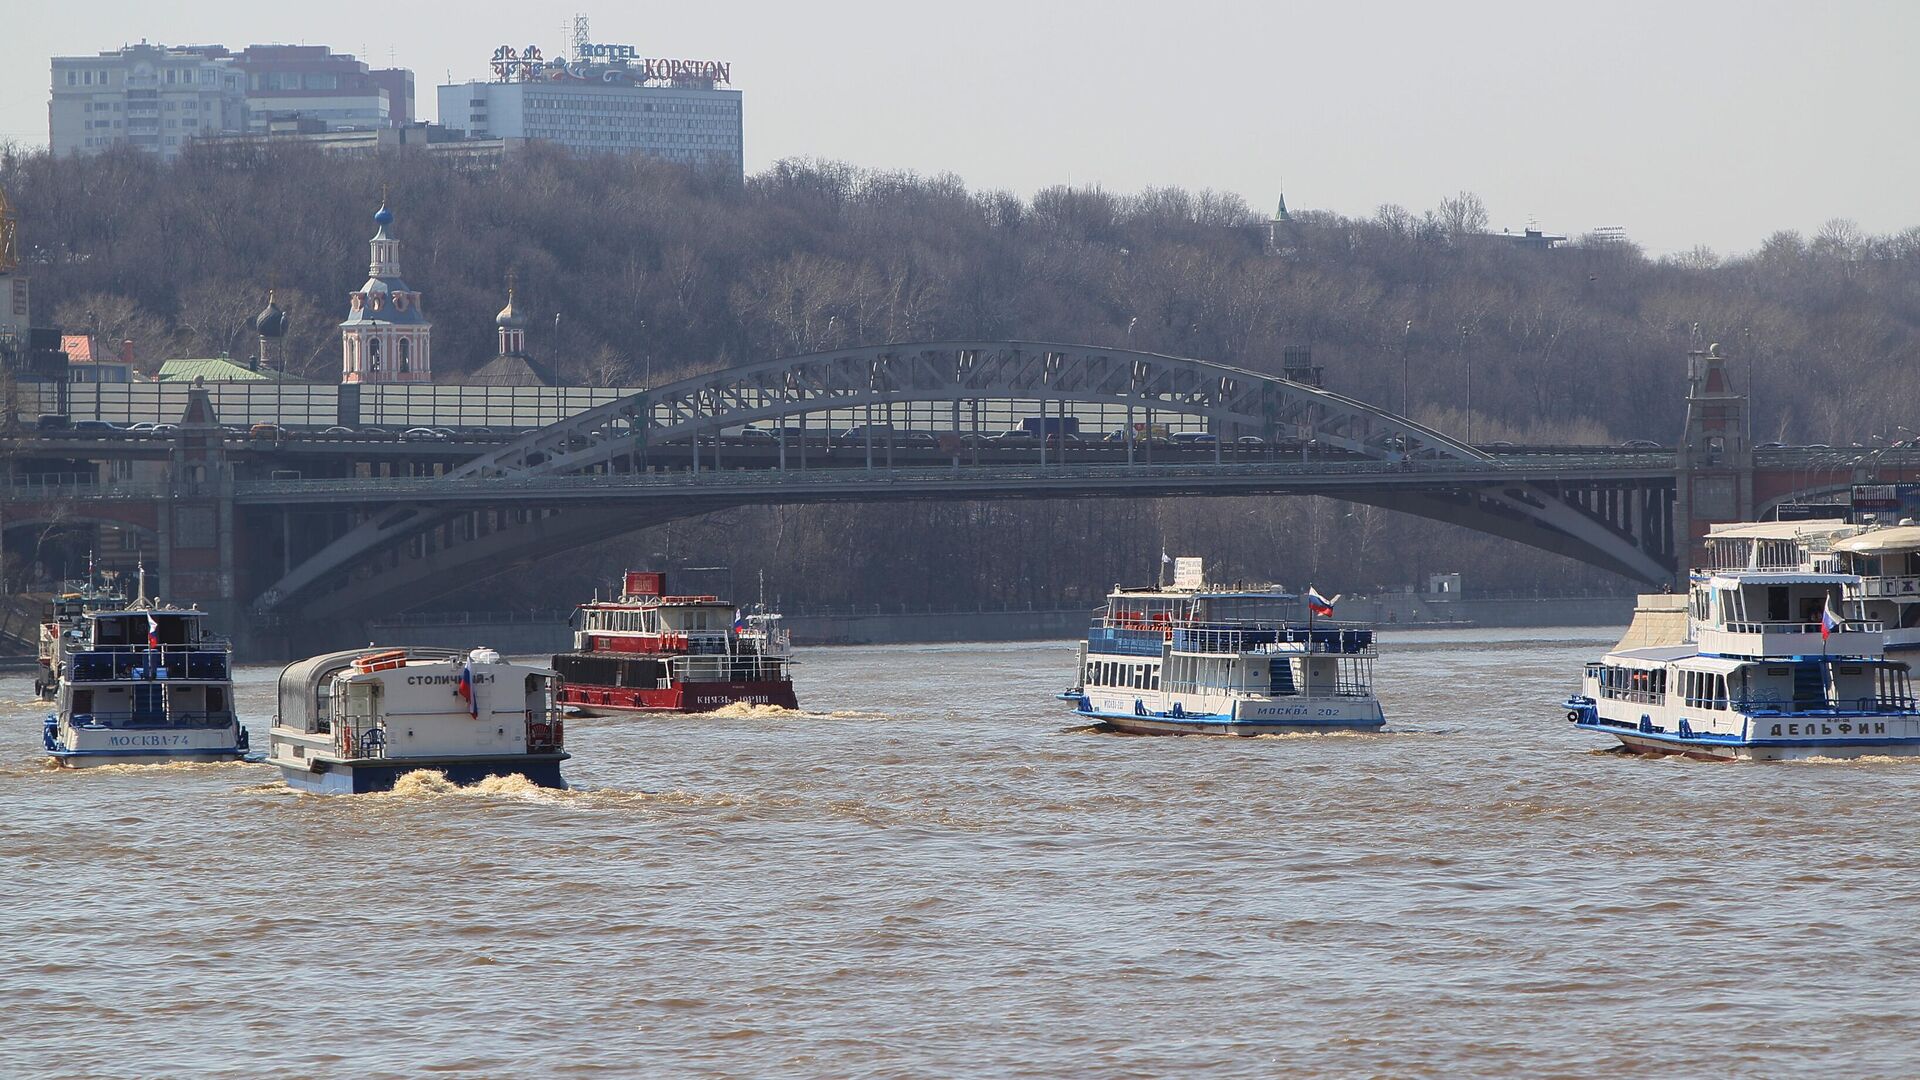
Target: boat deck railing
{"x":360,"y":736}
{"x":723,"y":667}
{"x":1234,"y":639}
{"x":1847,"y":626}
{"x":146,"y":721}
{"x":176,"y":662}
{"x":1887,"y":586}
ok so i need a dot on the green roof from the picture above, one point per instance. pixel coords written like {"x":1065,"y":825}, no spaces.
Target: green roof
{"x":217,"y":369}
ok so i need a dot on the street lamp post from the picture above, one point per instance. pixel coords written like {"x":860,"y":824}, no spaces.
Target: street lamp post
{"x":1466,"y":352}
{"x":1406,"y":370}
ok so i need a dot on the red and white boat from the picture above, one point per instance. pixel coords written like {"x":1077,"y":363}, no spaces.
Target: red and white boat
{"x":650,"y":651}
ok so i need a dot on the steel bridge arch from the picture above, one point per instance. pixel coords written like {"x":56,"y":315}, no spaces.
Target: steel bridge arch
{"x":1234,"y":401}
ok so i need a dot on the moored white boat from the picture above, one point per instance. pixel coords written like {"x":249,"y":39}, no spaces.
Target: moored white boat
{"x":1197,"y":659}
{"x":356,"y":721}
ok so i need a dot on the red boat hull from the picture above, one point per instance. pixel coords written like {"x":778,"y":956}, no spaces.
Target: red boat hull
{"x":683,"y":698}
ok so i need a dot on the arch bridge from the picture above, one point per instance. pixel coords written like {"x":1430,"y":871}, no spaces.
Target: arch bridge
{"x":665,"y":453}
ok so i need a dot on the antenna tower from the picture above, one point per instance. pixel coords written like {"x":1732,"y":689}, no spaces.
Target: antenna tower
{"x":581,"y":37}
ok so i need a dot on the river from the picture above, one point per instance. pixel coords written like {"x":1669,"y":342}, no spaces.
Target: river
{"x":933,"y":871}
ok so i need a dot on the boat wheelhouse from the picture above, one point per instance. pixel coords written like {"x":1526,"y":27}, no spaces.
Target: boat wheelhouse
{"x":356,"y":721}
{"x":1885,"y":559}
{"x":64,"y":629}
{"x":1212,"y":660}
{"x":651,"y":651}
{"x":1769,"y":671}
{"x":142,"y":683}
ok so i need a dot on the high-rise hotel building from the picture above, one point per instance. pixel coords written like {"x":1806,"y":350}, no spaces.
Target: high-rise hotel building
{"x":677,"y":110}
{"x":161,"y":97}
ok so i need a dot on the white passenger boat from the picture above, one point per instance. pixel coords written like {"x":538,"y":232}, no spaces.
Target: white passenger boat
{"x":1198,"y":659}
{"x":355,"y":721}
{"x":1768,"y":670}
{"x":141,"y":683}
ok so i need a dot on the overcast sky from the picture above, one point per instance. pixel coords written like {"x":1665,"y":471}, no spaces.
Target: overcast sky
{"x":1686,"y":123}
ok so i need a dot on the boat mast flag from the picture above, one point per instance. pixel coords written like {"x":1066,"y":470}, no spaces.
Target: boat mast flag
{"x":1829,"y":622}
{"x":153,"y":632}
{"x":1320,"y":605}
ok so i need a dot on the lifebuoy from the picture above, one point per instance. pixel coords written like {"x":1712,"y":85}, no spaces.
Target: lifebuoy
{"x":1573,"y":716}
{"x":539,"y":734}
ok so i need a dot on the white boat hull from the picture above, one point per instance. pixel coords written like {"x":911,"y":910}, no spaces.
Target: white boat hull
{"x":1249,"y":717}
{"x":1759,"y":738}
{"x":78,"y":747}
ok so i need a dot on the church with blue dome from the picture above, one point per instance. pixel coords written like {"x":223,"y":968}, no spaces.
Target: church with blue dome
{"x":386,"y":337}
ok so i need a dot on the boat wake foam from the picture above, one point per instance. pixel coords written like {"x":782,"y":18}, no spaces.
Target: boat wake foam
{"x":743,"y":710}
{"x":432,"y":783}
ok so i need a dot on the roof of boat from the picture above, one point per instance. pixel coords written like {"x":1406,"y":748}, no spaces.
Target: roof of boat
{"x":314,"y":668}
{"x":1779,"y":577}
{"x":1881,"y":541}
{"x":1719,"y":665}
{"x":165,"y":610}
{"x":1657,"y":654}
{"x":1209,"y":591}
{"x":1779,"y":530}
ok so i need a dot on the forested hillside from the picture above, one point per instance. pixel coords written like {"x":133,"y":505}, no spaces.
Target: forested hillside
{"x":637,"y":270}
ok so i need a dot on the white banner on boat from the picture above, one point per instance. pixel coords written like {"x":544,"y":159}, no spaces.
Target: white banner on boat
{"x":1187,"y":573}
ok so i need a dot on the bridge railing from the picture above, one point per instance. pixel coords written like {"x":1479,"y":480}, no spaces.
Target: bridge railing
{"x":320,"y":405}
{"x":394,"y":487}
{"x":76,"y":486}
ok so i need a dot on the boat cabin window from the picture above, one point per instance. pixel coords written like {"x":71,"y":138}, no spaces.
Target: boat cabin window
{"x":1632,"y":684}
{"x":83,"y":701}
{"x":1703,"y":690}
{"x":1777,"y":610}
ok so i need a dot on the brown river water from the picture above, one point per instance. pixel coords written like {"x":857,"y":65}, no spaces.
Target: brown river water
{"x":933,"y":872}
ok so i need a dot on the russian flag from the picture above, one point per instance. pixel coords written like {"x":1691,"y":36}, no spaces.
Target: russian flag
{"x":739,"y":622}
{"x":1829,"y":622}
{"x":153,"y":632}
{"x":466,"y":690}
{"x":1318,"y":604}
